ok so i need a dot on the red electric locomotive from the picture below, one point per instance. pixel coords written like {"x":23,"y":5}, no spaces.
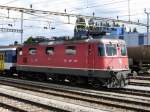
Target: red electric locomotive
{"x":96,"y":61}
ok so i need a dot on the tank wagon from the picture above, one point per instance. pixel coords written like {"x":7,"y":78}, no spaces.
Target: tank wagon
{"x":139,"y":58}
{"x":100,"y":62}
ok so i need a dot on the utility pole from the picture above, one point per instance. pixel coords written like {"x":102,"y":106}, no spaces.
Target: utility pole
{"x":129,"y":9}
{"x":147,"y":13}
{"x":86,"y":3}
{"x":21,"y":26}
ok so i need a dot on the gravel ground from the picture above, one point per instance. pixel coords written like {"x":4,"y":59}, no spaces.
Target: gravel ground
{"x":140,"y":81}
{"x":138,"y":87}
{"x":48,"y":100}
{"x":54,"y":99}
{"x":21,"y":105}
{"x":129,"y":97}
{"x":4,"y":110}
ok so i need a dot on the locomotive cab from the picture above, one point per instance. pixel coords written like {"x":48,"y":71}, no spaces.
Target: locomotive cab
{"x":116,"y":61}
{"x":110,"y":55}
{"x":115,"y":55}
{"x":110,"y":63}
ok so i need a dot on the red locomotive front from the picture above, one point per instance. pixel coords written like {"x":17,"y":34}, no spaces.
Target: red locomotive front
{"x":95,"y":61}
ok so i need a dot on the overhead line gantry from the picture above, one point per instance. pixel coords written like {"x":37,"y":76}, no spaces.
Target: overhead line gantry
{"x":28,"y":10}
{"x":69,"y":15}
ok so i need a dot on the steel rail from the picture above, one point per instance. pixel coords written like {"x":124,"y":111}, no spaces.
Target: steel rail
{"x":19,"y":100}
{"x":103,"y":98}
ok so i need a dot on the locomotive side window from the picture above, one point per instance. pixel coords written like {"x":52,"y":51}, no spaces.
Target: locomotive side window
{"x":70,"y":50}
{"x":123,"y":50}
{"x":49,"y":50}
{"x":32,"y":51}
{"x":101,"y":50}
{"x":111,"y":49}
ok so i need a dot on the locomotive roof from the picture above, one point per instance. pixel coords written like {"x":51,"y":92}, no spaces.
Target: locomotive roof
{"x":102,"y":40}
{"x":106,"y":40}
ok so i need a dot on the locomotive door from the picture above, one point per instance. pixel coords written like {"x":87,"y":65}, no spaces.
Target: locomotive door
{"x":1,"y":61}
{"x":90,"y":56}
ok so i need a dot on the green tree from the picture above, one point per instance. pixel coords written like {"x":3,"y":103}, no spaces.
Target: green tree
{"x":29,"y":40}
{"x":36,"y":40}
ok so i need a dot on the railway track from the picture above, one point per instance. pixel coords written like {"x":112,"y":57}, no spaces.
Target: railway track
{"x":136,"y":92}
{"x":42,"y":97}
{"x":125,"y":99}
{"x":140,"y":84}
{"x":140,"y":81}
{"x":141,"y":78}
{"x":6,"y":106}
{"x":14,"y":104}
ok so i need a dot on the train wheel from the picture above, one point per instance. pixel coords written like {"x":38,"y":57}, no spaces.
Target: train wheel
{"x":82,"y":80}
{"x":72,"y":80}
{"x":62,"y":78}
{"x":112,"y":83}
{"x":122,"y":83}
{"x":22,"y":76}
{"x":96,"y":83}
{"x":41,"y":77}
{"x":55,"y":78}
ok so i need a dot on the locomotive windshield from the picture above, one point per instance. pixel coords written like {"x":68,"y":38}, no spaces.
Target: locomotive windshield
{"x":123,"y":50}
{"x":111,"y":49}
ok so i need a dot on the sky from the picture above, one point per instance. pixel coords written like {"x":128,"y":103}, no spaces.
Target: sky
{"x":33,"y":25}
